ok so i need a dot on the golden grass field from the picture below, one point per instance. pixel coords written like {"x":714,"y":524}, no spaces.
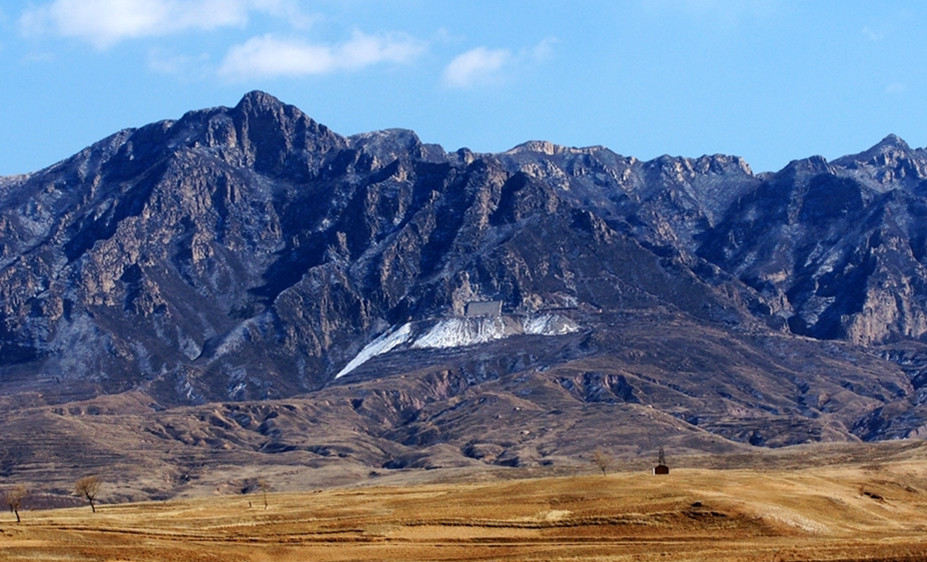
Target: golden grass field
{"x":846,"y":512}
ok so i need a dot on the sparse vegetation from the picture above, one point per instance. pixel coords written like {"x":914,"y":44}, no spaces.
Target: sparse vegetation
{"x":719,"y":515}
{"x":89,"y":487}
{"x":14,"y":498}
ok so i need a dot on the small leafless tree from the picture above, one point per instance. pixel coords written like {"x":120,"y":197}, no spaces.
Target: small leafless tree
{"x":14,"y":499}
{"x":602,"y":460}
{"x":89,"y":487}
{"x":264,"y":487}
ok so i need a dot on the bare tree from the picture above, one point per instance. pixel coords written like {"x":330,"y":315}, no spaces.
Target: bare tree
{"x":264,"y":487}
{"x":89,"y":487}
{"x":14,"y":499}
{"x":602,"y":460}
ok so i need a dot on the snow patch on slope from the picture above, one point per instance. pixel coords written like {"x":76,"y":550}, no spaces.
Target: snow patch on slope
{"x":549,"y":325}
{"x":460,"y":332}
{"x":383,"y":344}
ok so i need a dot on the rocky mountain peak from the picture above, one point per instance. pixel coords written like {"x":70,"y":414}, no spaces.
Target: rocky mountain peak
{"x":260,"y":108}
{"x":276,"y":138}
{"x":550,"y":149}
{"x":888,"y":151}
{"x":543,"y":147}
{"x":256,"y":100}
{"x":889,"y":164}
{"x":722,"y":164}
{"x":391,"y":144}
{"x":893,"y":141}
{"x":806,"y":167}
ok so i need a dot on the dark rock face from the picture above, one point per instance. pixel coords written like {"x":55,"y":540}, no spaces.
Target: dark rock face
{"x":250,"y":253}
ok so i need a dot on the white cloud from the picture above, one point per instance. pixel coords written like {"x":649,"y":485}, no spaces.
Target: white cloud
{"x":269,"y":56}
{"x":483,"y":65}
{"x":103,"y":23}
{"x":272,"y":56}
{"x":364,"y":50}
{"x":476,"y":66}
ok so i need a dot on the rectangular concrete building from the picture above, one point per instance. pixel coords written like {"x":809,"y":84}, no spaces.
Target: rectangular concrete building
{"x":483,"y":308}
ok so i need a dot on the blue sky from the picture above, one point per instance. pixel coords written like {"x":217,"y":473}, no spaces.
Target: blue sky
{"x":767,"y":80}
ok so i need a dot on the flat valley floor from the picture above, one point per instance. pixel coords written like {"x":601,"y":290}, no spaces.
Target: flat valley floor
{"x":847,"y":512}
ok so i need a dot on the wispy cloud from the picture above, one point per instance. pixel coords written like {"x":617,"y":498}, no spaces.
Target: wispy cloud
{"x":481,"y":65}
{"x":289,"y":10}
{"x":476,"y":66}
{"x":103,"y":23}
{"x":162,"y":61}
{"x":269,"y":56}
{"x":873,"y":34}
{"x":895,"y":88}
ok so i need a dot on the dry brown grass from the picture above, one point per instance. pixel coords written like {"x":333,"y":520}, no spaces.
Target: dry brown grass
{"x":850,"y":512}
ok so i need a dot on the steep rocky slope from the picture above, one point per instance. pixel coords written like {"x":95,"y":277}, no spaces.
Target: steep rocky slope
{"x":250,"y":253}
{"x":836,"y":249}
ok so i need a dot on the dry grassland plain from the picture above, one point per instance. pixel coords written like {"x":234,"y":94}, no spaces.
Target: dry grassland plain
{"x":847,"y":512}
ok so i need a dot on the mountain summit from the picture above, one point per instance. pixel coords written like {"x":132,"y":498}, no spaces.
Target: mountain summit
{"x":250,"y":253}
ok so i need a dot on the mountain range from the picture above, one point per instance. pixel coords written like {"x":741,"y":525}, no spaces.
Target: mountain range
{"x":245,"y":284}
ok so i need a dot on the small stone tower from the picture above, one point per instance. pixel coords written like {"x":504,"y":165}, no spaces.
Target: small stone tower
{"x":661,"y":467}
